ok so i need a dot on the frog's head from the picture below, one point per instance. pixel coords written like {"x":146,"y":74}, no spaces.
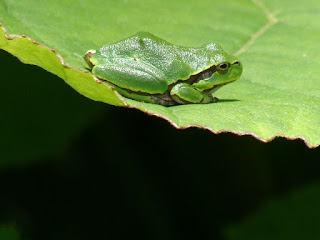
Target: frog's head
{"x":226,"y":69}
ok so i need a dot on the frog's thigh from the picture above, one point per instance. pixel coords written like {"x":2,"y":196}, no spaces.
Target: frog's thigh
{"x":185,"y":93}
{"x":133,"y":77}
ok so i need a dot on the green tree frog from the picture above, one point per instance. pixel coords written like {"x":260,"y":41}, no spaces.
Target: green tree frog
{"x":146,"y":68}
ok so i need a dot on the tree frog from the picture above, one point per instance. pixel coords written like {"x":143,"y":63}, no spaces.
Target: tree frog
{"x":146,"y":68}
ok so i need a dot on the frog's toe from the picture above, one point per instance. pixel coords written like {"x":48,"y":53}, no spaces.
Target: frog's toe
{"x":215,"y":99}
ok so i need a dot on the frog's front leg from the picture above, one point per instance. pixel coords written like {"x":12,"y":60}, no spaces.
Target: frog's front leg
{"x":184,"y":93}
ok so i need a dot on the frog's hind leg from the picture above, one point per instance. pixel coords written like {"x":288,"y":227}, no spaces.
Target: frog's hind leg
{"x":133,"y":75}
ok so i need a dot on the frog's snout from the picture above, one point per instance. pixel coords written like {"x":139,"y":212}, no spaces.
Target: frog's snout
{"x":236,"y":68}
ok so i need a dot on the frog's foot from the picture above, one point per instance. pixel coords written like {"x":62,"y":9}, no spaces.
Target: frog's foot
{"x":215,"y":99}
{"x":209,"y":99}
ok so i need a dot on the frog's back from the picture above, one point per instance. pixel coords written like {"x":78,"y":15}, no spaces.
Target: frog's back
{"x":166,"y":63}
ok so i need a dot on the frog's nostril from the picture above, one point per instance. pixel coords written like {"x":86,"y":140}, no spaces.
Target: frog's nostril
{"x":237,"y":63}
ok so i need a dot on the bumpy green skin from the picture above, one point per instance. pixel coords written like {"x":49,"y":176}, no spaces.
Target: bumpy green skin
{"x":146,"y":68}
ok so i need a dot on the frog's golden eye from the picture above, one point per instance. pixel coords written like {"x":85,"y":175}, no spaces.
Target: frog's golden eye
{"x":223,"y":66}
{"x":237,"y":63}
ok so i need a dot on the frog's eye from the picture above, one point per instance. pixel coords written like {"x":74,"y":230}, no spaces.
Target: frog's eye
{"x":222,"y":67}
{"x":237,"y":63}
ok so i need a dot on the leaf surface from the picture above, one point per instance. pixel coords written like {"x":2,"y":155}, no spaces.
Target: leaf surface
{"x":277,"y":42}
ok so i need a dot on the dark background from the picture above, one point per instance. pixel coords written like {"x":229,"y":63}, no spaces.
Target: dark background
{"x":72,"y":168}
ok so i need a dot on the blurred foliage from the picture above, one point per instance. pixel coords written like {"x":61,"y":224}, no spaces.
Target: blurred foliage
{"x":41,"y":115}
{"x":115,"y":173}
{"x":8,"y":232}
{"x":296,"y":216}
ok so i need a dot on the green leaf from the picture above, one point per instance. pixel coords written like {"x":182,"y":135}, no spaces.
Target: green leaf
{"x":278,"y":43}
{"x":293,"y":217}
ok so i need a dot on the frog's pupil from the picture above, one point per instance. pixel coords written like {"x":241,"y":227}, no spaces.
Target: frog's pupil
{"x":223,"y":66}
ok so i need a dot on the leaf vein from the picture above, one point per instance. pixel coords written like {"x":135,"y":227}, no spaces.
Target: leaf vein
{"x":271,"y":21}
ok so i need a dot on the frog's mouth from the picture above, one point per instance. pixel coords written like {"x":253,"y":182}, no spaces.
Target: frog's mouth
{"x":215,"y":88}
